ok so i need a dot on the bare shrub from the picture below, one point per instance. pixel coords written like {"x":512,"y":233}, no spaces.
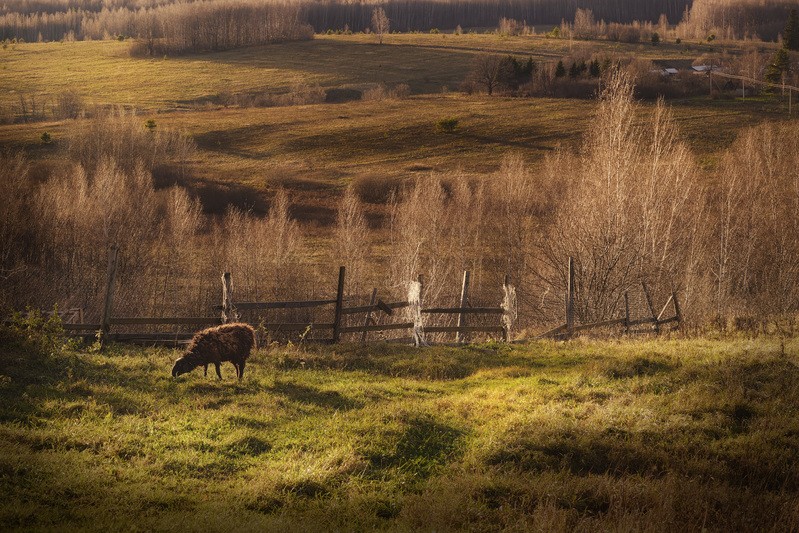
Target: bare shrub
{"x":401,"y":91}
{"x":264,"y":252}
{"x":375,"y":189}
{"x":630,"y":215}
{"x":14,"y":213}
{"x":436,"y":230}
{"x":380,"y":24}
{"x":756,"y":264}
{"x":509,"y":27}
{"x":299,"y":94}
{"x":351,"y":238}
{"x":69,"y":105}
{"x":490,"y":71}
{"x":376,"y":93}
{"x":122,"y":136}
{"x":584,"y":24}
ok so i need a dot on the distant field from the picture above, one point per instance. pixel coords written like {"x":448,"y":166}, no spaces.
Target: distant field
{"x":315,"y":150}
{"x":626,"y":436}
{"x":103,"y":72}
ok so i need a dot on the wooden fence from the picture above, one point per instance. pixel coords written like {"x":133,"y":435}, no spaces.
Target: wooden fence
{"x":418,"y":322}
{"x":653,"y":323}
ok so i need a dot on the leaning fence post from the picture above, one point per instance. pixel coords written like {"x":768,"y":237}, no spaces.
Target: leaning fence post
{"x":570,"y":299}
{"x":372,"y":301}
{"x":229,"y":313}
{"x":105,"y":322}
{"x":651,"y":307}
{"x":464,"y":302}
{"x":626,"y":313}
{"x":339,"y":304}
{"x":509,"y":312}
{"x":677,"y":310}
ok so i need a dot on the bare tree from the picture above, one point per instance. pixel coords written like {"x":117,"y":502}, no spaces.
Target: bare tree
{"x":351,"y":237}
{"x":380,"y":23}
{"x":490,"y":71}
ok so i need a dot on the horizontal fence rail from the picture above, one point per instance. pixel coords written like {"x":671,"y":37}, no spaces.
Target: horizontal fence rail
{"x":405,"y":316}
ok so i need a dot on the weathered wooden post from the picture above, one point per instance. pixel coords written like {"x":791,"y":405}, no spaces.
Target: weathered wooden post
{"x":372,"y":301}
{"x":339,"y":304}
{"x":415,"y":306}
{"x":677,"y":310}
{"x":570,"y":299}
{"x":626,"y":313}
{"x":459,"y":337}
{"x":651,"y":307}
{"x":105,"y":320}
{"x":229,"y":313}
{"x":509,"y":312}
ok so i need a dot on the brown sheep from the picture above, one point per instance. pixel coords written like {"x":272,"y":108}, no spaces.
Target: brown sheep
{"x":228,"y":342}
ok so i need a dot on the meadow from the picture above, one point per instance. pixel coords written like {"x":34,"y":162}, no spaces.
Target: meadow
{"x":627,"y":435}
{"x":245,"y":153}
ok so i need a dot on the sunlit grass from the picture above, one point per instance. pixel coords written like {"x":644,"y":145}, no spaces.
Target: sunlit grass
{"x":632,"y":435}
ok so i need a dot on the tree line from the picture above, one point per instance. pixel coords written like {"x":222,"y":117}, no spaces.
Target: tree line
{"x":88,"y":19}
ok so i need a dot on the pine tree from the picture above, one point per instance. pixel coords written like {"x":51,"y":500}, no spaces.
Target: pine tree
{"x":560,"y":70}
{"x":781,"y":64}
{"x":574,"y":71}
{"x":790,"y":38}
{"x":593,"y":68}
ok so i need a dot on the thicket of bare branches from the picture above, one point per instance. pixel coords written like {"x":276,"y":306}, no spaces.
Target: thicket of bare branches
{"x":756,"y":232}
{"x":630,"y":206}
{"x":632,"y":210}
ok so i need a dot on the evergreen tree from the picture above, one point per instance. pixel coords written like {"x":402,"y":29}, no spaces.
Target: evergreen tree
{"x":593,"y":68}
{"x":790,"y":39}
{"x":560,"y":70}
{"x":779,"y":66}
{"x":574,"y":71}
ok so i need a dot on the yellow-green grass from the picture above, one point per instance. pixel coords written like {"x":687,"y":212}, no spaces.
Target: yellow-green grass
{"x":314,"y":150}
{"x":104,"y":73}
{"x":630,"y":435}
{"x":327,"y":145}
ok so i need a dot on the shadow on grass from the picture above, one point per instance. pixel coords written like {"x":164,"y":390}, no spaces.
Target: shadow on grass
{"x":435,"y":363}
{"x":420,"y":449}
{"x":311,"y":396}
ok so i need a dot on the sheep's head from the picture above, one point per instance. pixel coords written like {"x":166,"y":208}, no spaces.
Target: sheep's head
{"x":182,"y":366}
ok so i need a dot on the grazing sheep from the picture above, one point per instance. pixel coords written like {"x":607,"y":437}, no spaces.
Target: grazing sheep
{"x":228,"y":342}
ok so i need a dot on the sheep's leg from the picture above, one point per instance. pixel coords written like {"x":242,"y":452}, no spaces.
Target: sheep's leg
{"x":218,"y":370}
{"x":205,"y":370}
{"x":241,"y":369}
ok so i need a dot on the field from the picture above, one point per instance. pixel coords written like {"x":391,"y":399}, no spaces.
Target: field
{"x":316,"y":150}
{"x":655,"y":435}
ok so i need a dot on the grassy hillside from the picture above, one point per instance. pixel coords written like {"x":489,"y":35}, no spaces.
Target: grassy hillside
{"x":316,"y":149}
{"x":630,"y":435}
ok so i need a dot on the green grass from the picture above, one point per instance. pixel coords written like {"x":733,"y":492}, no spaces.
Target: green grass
{"x":628,"y":435}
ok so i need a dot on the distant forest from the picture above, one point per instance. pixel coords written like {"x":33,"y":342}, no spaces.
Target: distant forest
{"x":49,"y":20}
{"x":409,"y":15}
{"x":232,"y":23}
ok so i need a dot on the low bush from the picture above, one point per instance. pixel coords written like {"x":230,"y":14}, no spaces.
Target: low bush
{"x":447,"y":125}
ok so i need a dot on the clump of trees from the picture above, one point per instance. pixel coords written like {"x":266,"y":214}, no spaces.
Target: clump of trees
{"x":734,"y":19}
{"x":211,"y":25}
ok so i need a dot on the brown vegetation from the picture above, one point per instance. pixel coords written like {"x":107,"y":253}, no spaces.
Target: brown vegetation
{"x":629,"y":206}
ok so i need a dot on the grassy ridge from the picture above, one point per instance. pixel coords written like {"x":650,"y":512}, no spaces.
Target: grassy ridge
{"x":633,"y":435}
